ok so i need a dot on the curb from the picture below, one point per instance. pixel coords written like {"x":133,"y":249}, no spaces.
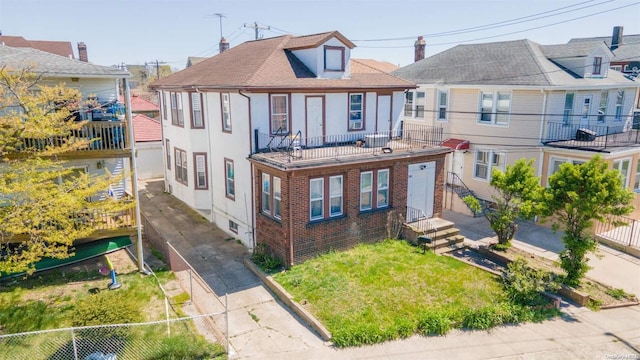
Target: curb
{"x":286,"y":298}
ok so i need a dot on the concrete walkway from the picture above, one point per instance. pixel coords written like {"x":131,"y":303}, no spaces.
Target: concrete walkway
{"x":261,"y":328}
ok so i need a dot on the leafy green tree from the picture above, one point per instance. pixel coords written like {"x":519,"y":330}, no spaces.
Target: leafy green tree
{"x":576,"y":196}
{"x":517,"y":196}
{"x":44,"y":206}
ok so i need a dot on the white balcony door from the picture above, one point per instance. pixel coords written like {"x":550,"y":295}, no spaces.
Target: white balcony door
{"x":315,"y":120}
{"x":383,"y":122}
{"x":586,"y":110}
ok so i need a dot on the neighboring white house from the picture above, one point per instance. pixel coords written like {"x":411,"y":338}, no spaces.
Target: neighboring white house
{"x":285,"y":96}
{"x":502,"y":101}
{"x":147,"y":133}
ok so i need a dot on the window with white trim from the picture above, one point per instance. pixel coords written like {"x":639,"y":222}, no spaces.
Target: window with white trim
{"x":408,"y":103}
{"x":271,"y":196}
{"x":226,"y":112}
{"x":197,"y":120}
{"x":279,"y":113}
{"x":619,"y":104}
{"x":201,"y":176}
{"x":602,"y":109}
{"x":163,"y":100}
{"x":554,"y":164}
{"x":567,"y":113}
{"x":177,"y":115}
{"x":443,"y":105}
{"x":181,"y":166}
{"x":233,"y":226}
{"x":230,"y":182}
{"x":335,"y":195}
{"x":495,"y":107}
{"x":486,"y":161}
{"x":420,"y":103}
{"x":374,"y":189}
{"x":330,"y":188}
{"x":356,"y":111}
{"x":316,"y":199}
{"x":623,"y":166}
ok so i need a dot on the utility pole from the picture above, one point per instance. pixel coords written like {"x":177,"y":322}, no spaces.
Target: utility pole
{"x":256,"y":28}
{"x":158,"y":63}
{"x":220,"y":16}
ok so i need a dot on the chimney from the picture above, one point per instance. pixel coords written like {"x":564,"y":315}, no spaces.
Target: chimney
{"x":224,"y":45}
{"x":419,"y":46}
{"x":616,"y":38}
{"x":82,"y":52}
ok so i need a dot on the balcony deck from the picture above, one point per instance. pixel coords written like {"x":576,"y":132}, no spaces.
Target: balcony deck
{"x":598,"y":138}
{"x":94,"y":138}
{"x":288,"y":151}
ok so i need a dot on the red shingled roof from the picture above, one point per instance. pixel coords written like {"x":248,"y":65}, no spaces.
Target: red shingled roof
{"x":269,"y":64}
{"x":146,"y":129}
{"x":62,"y":48}
{"x":139,"y":104}
{"x":371,"y":65}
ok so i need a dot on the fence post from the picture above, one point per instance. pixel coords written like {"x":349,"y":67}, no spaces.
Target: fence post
{"x":190,"y":285}
{"x":633,"y":226}
{"x":166,"y":310}
{"x":226,"y":314}
{"x":75,"y":346}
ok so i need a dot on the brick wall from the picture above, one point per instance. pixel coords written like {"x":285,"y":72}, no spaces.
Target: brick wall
{"x":353,"y":227}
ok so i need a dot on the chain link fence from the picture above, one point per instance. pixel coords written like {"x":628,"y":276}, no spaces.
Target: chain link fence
{"x":167,"y":339}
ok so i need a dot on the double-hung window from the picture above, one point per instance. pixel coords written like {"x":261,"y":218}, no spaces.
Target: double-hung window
{"x":623,"y":167}
{"x":567,"y":113}
{"x":420,"y":103}
{"x":181,"y":166}
{"x":197,"y":119}
{"x":177,"y":116}
{"x":167,"y":146}
{"x":495,"y":108}
{"x":226,"y":112}
{"x":602,"y":109}
{"x":279,"y":113}
{"x":356,"y":111}
{"x":443,"y":105}
{"x":597,"y":65}
{"x":201,"y":176}
{"x":374,"y":189}
{"x":636,"y":183}
{"x":408,"y":103}
{"x":230,"y":182}
{"x":555,"y":163}
{"x":486,"y":161}
{"x":271,"y":196}
{"x":619,"y":104}
{"x":319,"y":208}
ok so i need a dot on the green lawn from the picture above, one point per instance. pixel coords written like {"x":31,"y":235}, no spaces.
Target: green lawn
{"x":57,"y":300}
{"x":388,"y":290}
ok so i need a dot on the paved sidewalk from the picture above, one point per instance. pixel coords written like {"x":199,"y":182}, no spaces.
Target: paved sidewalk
{"x":262,"y":328}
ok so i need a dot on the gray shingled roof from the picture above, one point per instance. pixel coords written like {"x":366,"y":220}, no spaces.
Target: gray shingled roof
{"x":626,"y":39}
{"x":580,"y":49}
{"x":54,"y":65}
{"x":512,"y":63}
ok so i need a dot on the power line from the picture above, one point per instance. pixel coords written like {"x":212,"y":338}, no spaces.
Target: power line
{"x":509,"y":33}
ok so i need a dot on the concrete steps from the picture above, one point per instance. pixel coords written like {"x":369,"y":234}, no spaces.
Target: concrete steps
{"x":444,"y":236}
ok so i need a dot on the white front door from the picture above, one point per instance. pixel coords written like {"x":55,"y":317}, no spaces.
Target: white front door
{"x":383,"y":122}
{"x":421,"y":189}
{"x":586,"y":110}
{"x":315,"y":120}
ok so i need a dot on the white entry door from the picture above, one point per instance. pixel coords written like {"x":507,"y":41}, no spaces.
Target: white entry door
{"x":315,"y":121}
{"x":421,"y":189}
{"x":586,"y":110}
{"x":383,"y":122}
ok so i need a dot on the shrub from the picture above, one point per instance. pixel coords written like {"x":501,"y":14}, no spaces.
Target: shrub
{"x":106,"y":308}
{"x":436,"y":322}
{"x":525,"y":285}
{"x":267,"y":262}
{"x":482,"y":318}
{"x":181,"y":347}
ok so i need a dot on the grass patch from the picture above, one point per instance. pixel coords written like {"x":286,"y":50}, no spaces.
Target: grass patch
{"x":181,"y":298}
{"x":50,"y":301}
{"x":389,"y":290}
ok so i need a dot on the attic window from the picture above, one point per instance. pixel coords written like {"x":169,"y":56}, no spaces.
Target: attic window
{"x":597,"y":65}
{"x":333,"y":58}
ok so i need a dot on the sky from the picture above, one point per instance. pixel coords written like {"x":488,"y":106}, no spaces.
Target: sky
{"x":169,"y":31}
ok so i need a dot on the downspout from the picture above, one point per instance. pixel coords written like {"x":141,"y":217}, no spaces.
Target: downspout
{"x":253,"y":198}
{"x":291,"y":257}
{"x":209,"y":158}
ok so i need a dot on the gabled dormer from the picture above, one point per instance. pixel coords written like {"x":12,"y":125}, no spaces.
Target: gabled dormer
{"x":585,"y":60}
{"x":327,"y":55}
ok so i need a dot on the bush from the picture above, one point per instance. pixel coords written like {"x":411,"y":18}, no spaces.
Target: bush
{"x":436,"y":322}
{"x":106,"y":308}
{"x":525,"y":285}
{"x":181,"y":347}
{"x":483,"y":318}
{"x":267,"y":262}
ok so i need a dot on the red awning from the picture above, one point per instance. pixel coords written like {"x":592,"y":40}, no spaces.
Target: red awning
{"x":456,"y":144}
